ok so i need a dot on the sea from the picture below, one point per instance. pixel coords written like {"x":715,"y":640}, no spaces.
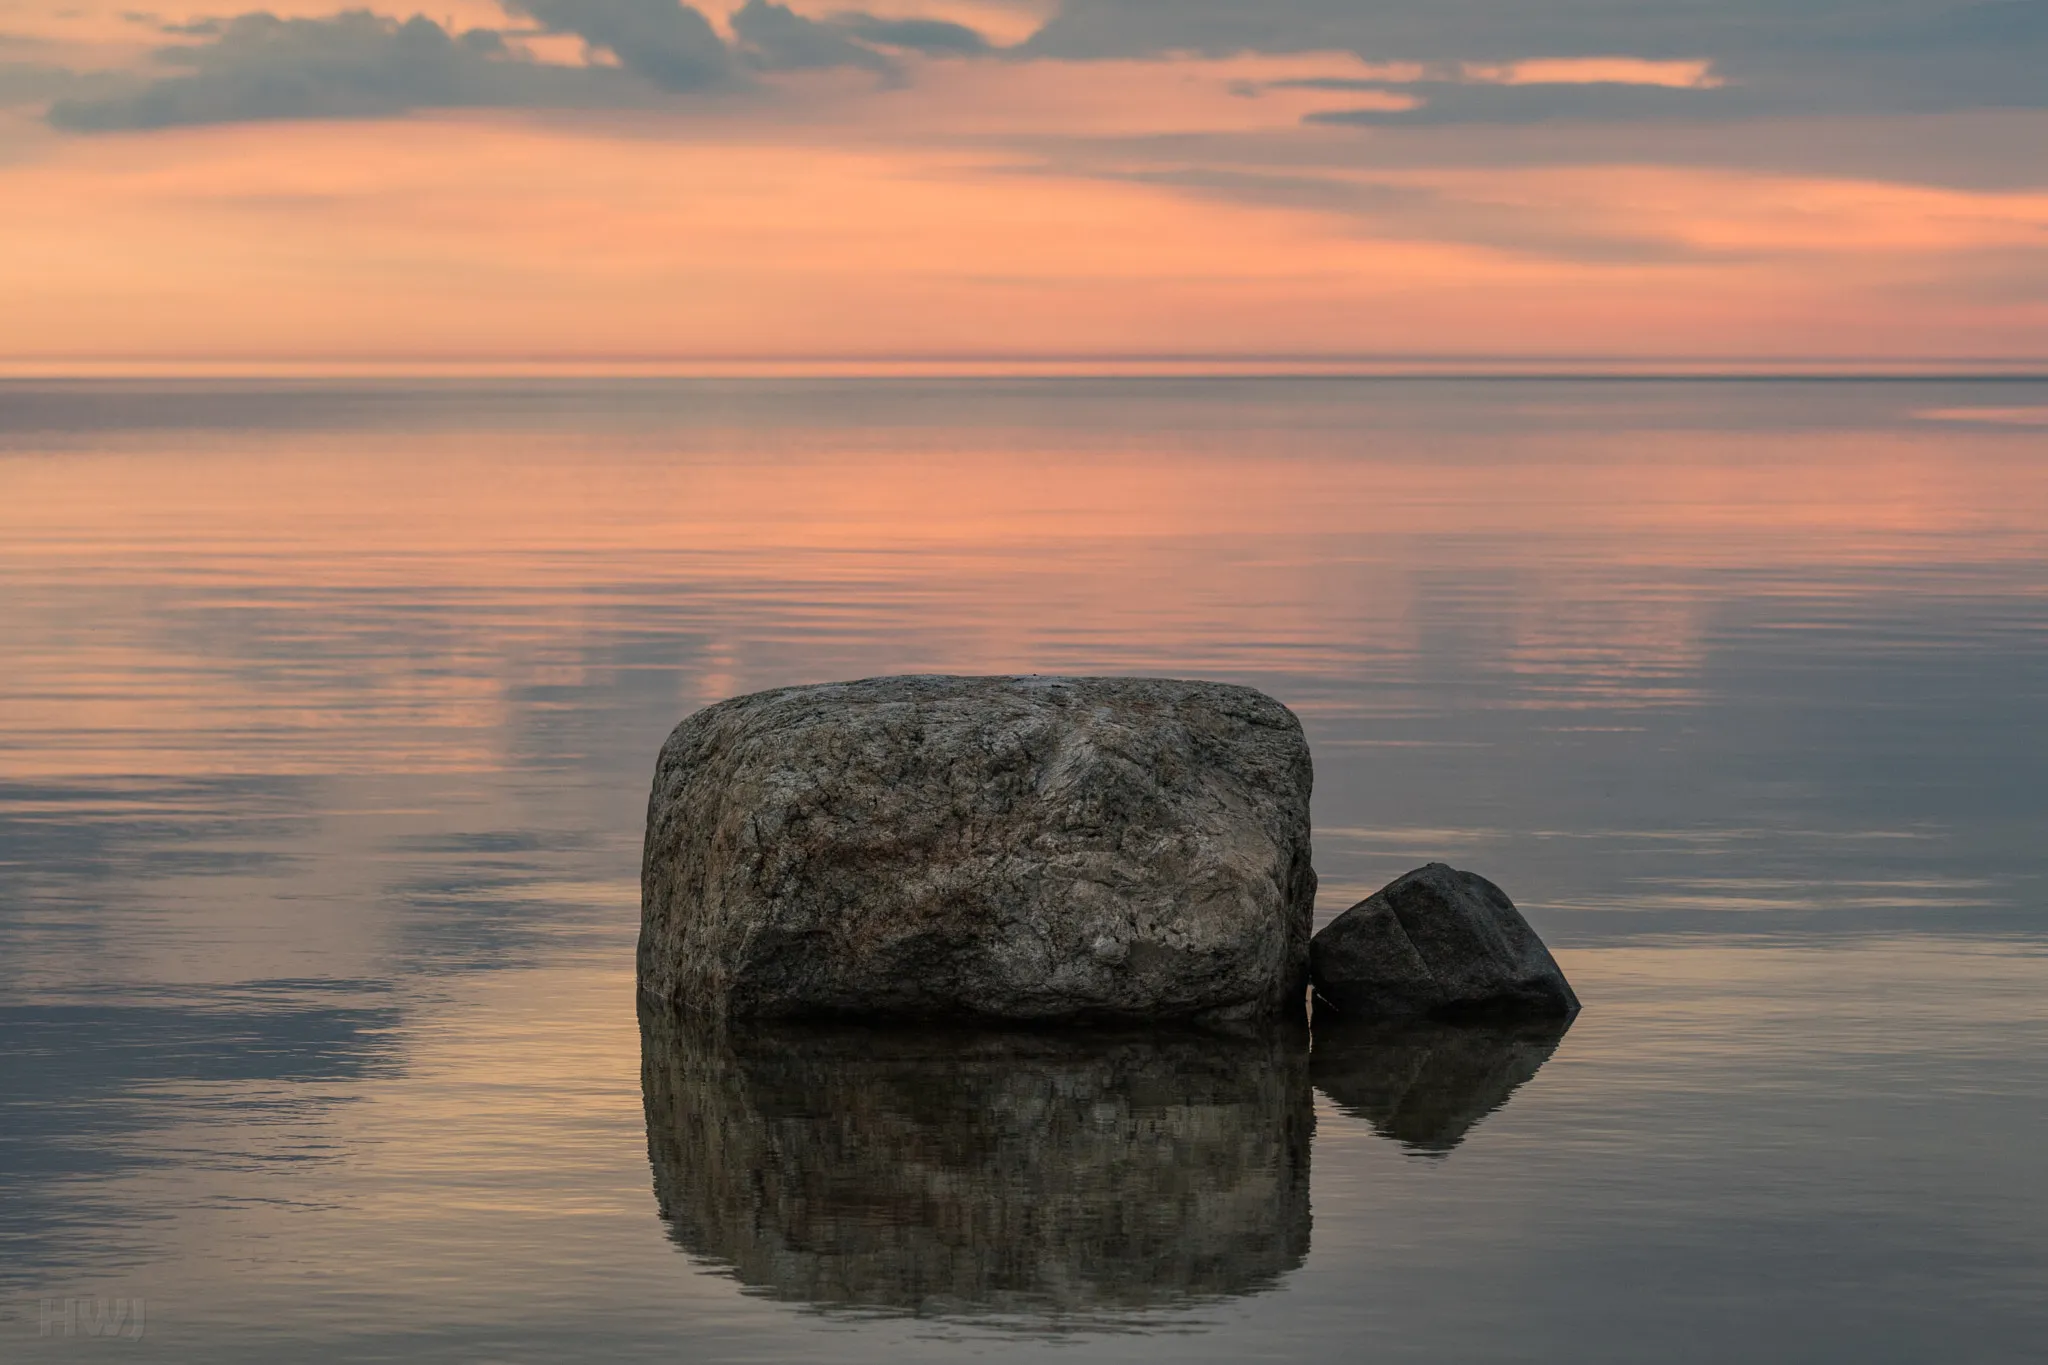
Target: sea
{"x":328,"y":711}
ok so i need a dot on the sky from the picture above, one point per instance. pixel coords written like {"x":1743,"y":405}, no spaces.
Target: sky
{"x":620,"y":182}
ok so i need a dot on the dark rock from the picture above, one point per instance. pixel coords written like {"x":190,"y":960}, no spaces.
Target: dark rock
{"x":1052,"y":1178}
{"x":1437,"y":942}
{"x":1026,"y":849}
{"x":1424,"y":1084}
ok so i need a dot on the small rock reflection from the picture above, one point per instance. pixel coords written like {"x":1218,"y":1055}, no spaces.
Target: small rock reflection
{"x":1050,"y":1180}
{"x":1426,"y":1085}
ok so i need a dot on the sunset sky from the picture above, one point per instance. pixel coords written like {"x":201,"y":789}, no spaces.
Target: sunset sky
{"x":641,"y":181}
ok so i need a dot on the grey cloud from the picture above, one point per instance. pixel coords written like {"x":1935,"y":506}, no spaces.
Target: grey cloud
{"x":1367,"y":181}
{"x":1409,"y":30}
{"x":1781,"y":59}
{"x":1504,"y":30}
{"x":777,"y":38}
{"x":1449,"y":102}
{"x":1817,"y":56}
{"x":774,"y":37}
{"x":1416,"y":213}
{"x":1991,"y":151}
{"x":363,"y":65}
{"x":354,"y":65}
{"x":1995,"y":22}
{"x":33,"y":82}
{"x":933,"y":37}
{"x":664,"y":42}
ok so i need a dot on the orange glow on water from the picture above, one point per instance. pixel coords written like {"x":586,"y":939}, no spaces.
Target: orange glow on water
{"x":1008,"y":549}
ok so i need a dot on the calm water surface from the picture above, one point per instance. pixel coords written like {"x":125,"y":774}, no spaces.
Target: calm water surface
{"x":325,"y":731}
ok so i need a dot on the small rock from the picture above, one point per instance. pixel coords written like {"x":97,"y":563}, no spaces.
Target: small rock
{"x":1437,"y":942}
{"x":1009,"y":848}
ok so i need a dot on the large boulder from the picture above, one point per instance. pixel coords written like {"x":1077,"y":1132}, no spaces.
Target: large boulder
{"x":1008,"y":848}
{"x":1437,"y":942}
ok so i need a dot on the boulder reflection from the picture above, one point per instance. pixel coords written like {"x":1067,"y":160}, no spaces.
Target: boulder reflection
{"x":1425,"y":1085}
{"x":1051,"y":1179}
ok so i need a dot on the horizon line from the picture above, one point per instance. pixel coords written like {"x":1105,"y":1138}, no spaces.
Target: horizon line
{"x":997,"y":365}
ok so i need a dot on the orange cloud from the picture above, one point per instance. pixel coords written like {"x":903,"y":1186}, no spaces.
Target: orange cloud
{"x":1684,"y":75}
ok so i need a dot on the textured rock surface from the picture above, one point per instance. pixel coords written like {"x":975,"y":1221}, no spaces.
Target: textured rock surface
{"x":1436,"y":942}
{"x":1425,"y":1084}
{"x":1032,"y":848}
{"x":1061,"y":1176}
